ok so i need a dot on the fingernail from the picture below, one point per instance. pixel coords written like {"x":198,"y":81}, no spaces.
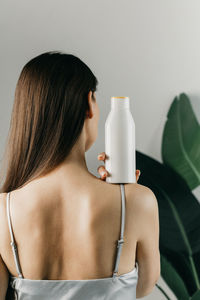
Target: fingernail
{"x":100,"y":156}
{"x":139,"y":173}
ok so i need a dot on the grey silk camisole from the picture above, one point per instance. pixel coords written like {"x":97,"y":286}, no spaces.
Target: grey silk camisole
{"x":116,"y":287}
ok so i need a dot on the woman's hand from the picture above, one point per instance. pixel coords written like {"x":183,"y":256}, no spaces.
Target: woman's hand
{"x":104,"y":173}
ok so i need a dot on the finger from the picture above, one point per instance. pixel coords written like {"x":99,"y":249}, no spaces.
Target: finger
{"x":101,"y":156}
{"x":102,"y":171}
{"x":137,"y":173}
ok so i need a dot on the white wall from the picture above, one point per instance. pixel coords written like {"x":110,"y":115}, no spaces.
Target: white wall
{"x":147,"y":50}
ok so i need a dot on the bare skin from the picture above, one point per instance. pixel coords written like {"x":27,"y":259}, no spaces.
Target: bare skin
{"x":66,"y":224}
{"x":86,"y":235}
{"x":76,"y":233}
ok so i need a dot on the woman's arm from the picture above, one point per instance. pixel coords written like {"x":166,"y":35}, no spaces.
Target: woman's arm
{"x":147,"y":251}
{"x":4,"y":275}
{"x":3,"y":279}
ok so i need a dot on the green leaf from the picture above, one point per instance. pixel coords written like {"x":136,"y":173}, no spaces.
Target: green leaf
{"x":181,"y":141}
{"x":173,"y":279}
{"x":196,"y":296}
{"x":179,"y":218}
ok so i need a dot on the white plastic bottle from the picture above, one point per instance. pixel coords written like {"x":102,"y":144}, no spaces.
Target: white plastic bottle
{"x":120,"y":142}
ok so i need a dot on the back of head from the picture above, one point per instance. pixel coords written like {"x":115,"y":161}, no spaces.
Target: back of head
{"x":47,"y":116}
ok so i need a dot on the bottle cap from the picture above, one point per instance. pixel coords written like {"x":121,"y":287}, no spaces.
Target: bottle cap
{"x":119,"y":97}
{"x":119,"y":102}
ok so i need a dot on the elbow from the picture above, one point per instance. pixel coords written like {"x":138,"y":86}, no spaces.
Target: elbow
{"x":144,"y":292}
{"x":145,"y":288}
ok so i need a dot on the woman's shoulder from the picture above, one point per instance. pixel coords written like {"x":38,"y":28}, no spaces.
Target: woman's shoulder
{"x":139,"y":189}
{"x":142,"y":198}
{"x":137,"y":196}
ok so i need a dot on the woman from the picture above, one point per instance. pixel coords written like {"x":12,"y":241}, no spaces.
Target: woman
{"x":59,"y":223}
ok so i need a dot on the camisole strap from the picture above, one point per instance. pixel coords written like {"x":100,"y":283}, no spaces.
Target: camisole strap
{"x":121,"y":240}
{"x":13,"y":244}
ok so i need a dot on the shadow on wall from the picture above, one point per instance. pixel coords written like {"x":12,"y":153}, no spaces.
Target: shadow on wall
{"x":179,"y":210}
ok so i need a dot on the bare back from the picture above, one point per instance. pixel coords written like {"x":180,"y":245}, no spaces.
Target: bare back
{"x":70,"y":233}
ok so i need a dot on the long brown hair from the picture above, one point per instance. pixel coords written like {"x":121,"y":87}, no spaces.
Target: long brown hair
{"x":47,"y":117}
